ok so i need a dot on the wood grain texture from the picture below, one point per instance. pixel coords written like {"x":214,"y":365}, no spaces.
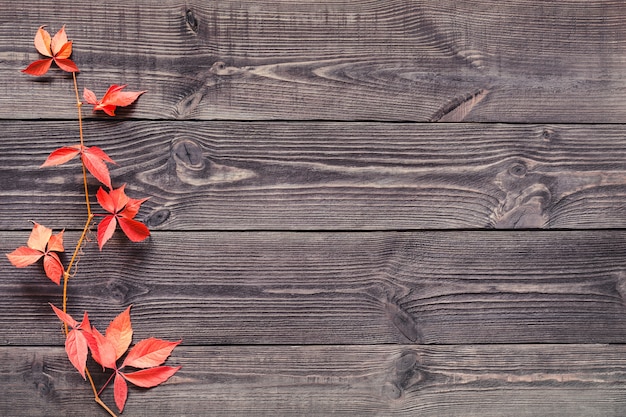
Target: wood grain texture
{"x":337,"y":288}
{"x":409,"y":380}
{"x":327,"y":176}
{"x":450,"y":60}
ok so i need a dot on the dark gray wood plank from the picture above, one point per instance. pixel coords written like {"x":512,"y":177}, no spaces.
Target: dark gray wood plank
{"x":449,"y":60}
{"x":339,"y":176}
{"x":485,"y":381}
{"x":336,"y":288}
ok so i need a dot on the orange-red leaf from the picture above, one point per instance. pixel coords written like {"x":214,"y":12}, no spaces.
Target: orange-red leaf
{"x":113,"y":98}
{"x":102,"y":349}
{"x":66,"y":65}
{"x":39,"y":237}
{"x":24,"y":256}
{"x":94,"y":159}
{"x":58,"y":42}
{"x":61,"y":156}
{"x":55,"y":243}
{"x":39,"y":67}
{"x":42,"y":42}
{"x":133,"y":229}
{"x":151,"y":377}
{"x":149,"y":352}
{"x":106,"y":228}
{"x":120,"y":391}
{"x":120,"y":333}
{"x":53,"y":267}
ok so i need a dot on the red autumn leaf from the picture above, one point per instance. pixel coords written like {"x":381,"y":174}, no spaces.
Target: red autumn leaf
{"x":120,"y":391}
{"x":76,"y":345}
{"x":149,"y":352}
{"x":102,"y":349}
{"x":113,"y":98}
{"x":120,"y":333}
{"x":148,"y":378}
{"x":58,"y":49}
{"x":41,"y":243}
{"x":94,"y":159}
{"x":123,"y":210}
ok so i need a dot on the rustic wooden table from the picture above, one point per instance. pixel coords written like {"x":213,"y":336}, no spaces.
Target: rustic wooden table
{"x":320,"y":244}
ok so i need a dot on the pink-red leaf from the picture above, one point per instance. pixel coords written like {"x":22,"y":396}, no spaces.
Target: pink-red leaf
{"x":76,"y":348}
{"x":64,"y":317}
{"x":149,"y":352}
{"x":120,"y":391}
{"x":120,"y":333}
{"x":151,"y":377}
{"x":90,"y":96}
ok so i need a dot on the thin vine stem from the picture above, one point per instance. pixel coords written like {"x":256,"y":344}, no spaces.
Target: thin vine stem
{"x":81,"y":240}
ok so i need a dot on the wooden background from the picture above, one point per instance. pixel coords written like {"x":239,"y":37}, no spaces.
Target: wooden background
{"x":358,"y":207}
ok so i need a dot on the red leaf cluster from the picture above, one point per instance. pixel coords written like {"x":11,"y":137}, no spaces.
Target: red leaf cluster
{"x":58,"y":50}
{"x":123,"y":210}
{"x":41,"y":243}
{"x":113,"y":98}
{"x":147,"y":355}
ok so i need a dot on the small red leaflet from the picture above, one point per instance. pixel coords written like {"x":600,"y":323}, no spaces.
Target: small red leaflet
{"x":57,"y":49}
{"x":41,"y":243}
{"x":123,"y":211}
{"x":114,"y":97}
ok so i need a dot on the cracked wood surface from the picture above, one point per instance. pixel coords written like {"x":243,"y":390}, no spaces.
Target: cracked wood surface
{"x":508,"y":61}
{"x":385,"y":380}
{"x":315,"y":256}
{"x":338,"y":288}
{"x":328,"y":176}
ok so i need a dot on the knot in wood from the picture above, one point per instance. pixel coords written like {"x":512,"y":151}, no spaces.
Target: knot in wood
{"x":189,"y":154}
{"x":158,"y":217}
{"x":518,"y":169}
{"x":191,"y":20}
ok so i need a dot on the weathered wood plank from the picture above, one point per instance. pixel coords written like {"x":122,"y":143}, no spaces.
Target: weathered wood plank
{"x":519,"y":380}
{"x":449,"y":60}
{"x":337,"y":288}
{"x":312,"y":176}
